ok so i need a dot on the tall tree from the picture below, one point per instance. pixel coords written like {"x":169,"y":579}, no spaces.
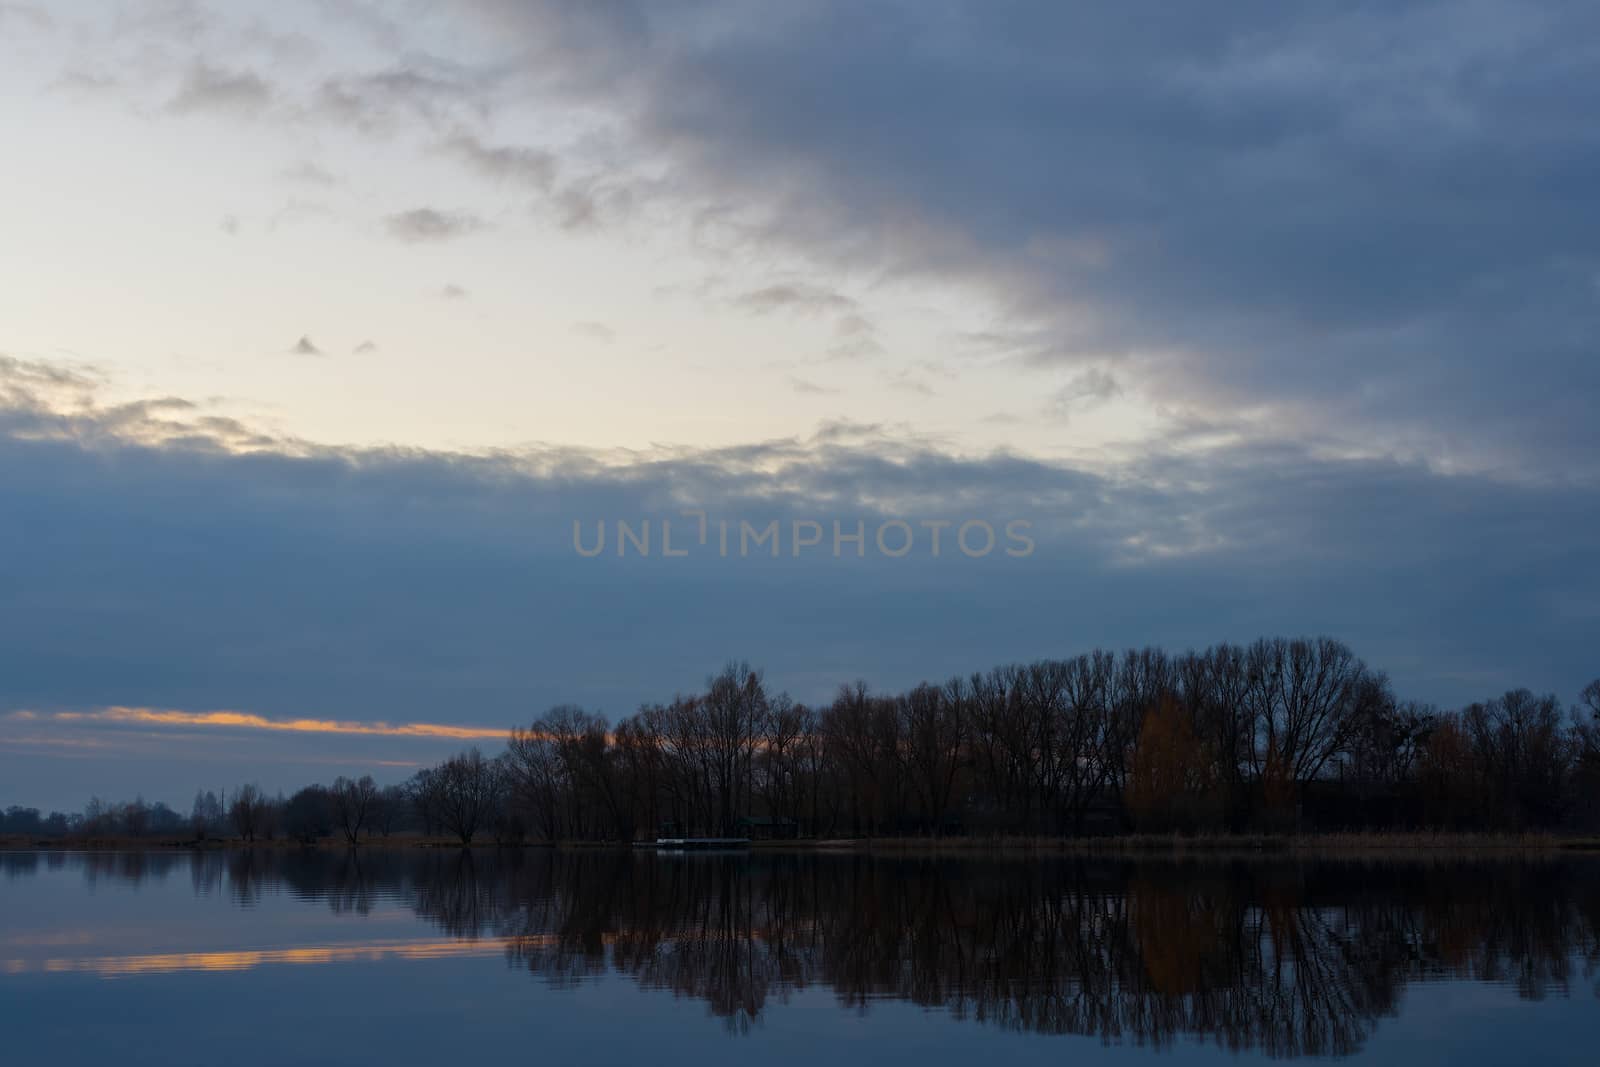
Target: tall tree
{"x":354,"y":802}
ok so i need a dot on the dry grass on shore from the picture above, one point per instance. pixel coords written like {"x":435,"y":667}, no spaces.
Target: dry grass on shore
{"x":1349,"y":843}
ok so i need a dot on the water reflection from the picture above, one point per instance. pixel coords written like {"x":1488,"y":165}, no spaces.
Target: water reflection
{"x":245,"y":960}
{"x":1287,"y":958}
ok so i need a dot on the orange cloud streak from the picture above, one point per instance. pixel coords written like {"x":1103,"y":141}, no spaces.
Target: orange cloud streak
{"x":249,"y":721}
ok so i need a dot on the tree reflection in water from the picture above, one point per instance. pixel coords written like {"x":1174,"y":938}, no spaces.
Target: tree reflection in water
{"x":1286,"y":957}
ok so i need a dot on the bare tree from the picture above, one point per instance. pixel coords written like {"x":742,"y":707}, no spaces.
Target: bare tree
{"x":1307,"y":696}
{"x":390,"y":810}
{"x":1589,"y":700}
{"x":469,"y":790}
{"x":353,"y":804}
{"x":426,"y":793}
{"x":934,"y":727}
{"x":136,"y":817}
{"x":205,"y":818}
{"x":778,"y":770}
{"x":247,"y":811}
{"x":735,"y":711}
{"x":535,"y":778}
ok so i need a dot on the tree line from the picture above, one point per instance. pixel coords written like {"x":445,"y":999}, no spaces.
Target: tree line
{"x":1277,"y":735}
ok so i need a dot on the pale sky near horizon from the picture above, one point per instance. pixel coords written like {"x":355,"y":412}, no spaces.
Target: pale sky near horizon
{"x":321,"y":321}
{"x":196,"y":181}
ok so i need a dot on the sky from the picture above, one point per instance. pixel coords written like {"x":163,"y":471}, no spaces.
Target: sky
{"x":323,"y":321}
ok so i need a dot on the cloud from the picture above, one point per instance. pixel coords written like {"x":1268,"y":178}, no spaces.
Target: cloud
{"x":795,"y":297}
{"x":364,"y":348}
{"x":595,"y":331}
{"x":27,"y":15}
{"x":855,"y":335}
{"x":809,"y":388}
{"x":85,"y":83}
{"x":21,"y":376}
{"x":427,"y":225}
{"x":450,"y":552}
{"x":589,"y":204}
{"x":1086,"y":389}
{"x":218,"y":89}
{"x":229,"y":225}
{"x":910,"y":383}
{"x":1124,"y":194}
{"x":237,"y":720}
{"x":453,"y":292}
{"x":307,"y":173}
{"x":409,"y":586}
{"x":375,"y":102}
{"x":304,"y":347}
{"x":533,"y":167}
{"x":586,"y":202}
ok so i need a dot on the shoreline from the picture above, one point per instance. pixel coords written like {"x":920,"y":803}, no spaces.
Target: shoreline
{"x":1151,"y":846}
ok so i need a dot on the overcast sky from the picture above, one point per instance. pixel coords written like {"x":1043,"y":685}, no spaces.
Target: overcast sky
{"x":321,"y":322}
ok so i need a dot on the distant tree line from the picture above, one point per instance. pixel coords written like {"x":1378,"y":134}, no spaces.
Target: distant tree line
{"x":1277,"y":735}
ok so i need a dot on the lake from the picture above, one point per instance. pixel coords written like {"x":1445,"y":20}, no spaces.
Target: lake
{"x":426,"y":956}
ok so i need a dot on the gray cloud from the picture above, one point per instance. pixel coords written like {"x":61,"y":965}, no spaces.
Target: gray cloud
{"x":469,"y":557}
{"x":375,"y":102}
{"x":796,"y":297}
{"x":85,"y":83}
{"x":595,"y":331}
{"x":601,"y":198}
{"x":591,"y":203}
{"x":1321,"y":216}
{"x":910,"y":383}
{"x":1086,"y":389}
{"x":209,"y":88}
{"x":408,"y":584}
{"x":425,"y":224}
{"x":855,"y":335}
{"x":365,"y":348}
{"x":304,"y":347}
{"x":308,"y":173}
{"x":809,"y":388}
{"x":533,"y":167}
{"x":28,"y":16}
{"x":453,"y":292}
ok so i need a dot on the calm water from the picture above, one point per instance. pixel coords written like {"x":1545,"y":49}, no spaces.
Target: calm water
{"x":398,"y":957}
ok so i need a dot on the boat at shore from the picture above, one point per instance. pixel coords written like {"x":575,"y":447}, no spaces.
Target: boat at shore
{"x":702,"y":842}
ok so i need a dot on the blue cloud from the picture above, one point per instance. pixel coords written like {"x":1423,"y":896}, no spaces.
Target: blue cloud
{"x":147,"y":564}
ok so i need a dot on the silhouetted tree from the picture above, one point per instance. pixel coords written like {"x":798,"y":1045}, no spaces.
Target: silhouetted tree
{"x":248,"y":811}
{"x":206,"y":816}
{"x":389,"y":809}
{"x":470,"y":788}
{"x":307,"y":817}
{"x":354,"y":801}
